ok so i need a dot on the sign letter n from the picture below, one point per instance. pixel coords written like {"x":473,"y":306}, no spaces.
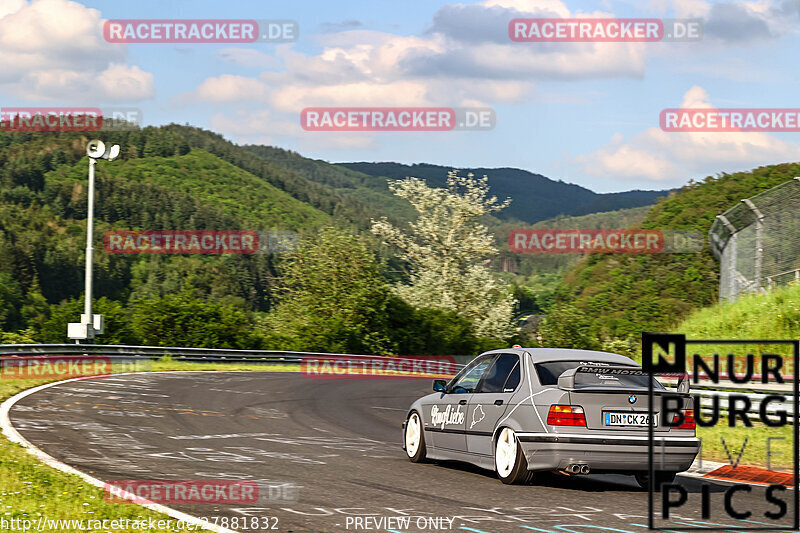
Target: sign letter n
{"x":663,"y":353}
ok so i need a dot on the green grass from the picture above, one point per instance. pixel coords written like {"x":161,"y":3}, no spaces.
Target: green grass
{"x":773,"y":315}
{"x":755,"y":450}
{"x":30,"y":489}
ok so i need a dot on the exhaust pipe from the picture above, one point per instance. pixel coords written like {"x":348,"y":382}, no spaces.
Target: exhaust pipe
{"x":575,"y":469}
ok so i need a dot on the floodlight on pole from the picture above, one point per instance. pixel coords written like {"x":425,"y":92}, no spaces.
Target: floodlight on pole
{"x":91,"y":324}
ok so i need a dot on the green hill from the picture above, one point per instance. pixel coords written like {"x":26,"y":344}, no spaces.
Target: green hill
{"x":533,"y":264}
{"x":535,"y":277}
{"x":277,"y":168}
{"x":536,"y":197}
{"x":620,"y":218}
{"x":609,"y":299}
{"x":199,"y":175}
{"x":181,"y":177}
{"x":159,"y":182}
{"x":370,"y":191}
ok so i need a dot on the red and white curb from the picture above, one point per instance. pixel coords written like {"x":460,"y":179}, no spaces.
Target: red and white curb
{"x":754,"y":475}
{"x":14,"y":436}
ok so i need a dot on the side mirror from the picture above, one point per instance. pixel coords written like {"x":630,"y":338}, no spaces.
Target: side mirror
{"x":440,"y":385}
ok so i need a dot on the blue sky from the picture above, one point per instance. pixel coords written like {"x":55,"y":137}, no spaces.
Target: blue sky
{"x":584,"y":113}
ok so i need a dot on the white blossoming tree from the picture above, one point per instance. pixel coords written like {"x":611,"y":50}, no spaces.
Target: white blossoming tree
{"x":447,"y":249}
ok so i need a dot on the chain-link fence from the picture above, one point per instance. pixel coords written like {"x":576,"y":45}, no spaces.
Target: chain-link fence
{"x":758,"y":241}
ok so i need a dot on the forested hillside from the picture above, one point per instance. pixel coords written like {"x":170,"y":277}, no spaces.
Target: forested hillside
{"x":320,"y":196}
{"x":609,"y":299}
{"x":178,"y":177}
{"x":371,"y":191}
{"x":536,"y":197}
{"x":42,"y":229}
{"x":536,"y":277}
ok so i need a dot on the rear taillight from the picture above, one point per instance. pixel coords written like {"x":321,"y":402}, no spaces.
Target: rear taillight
{"x":566,"y":415}
{"x":688,"y":420}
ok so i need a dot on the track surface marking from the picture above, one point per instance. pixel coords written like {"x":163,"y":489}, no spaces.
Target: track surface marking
{"x":338,"y":441}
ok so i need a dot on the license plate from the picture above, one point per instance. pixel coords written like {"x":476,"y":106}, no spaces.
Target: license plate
{"x":629,"y":419}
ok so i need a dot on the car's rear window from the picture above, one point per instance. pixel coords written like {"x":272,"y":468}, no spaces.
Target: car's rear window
{"x":549,"y":371}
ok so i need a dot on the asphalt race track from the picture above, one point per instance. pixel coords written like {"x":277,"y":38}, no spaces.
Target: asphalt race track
{"x":338,"y":442}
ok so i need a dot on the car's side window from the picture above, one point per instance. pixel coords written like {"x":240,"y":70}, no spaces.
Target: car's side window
{"x":513,"y":378}
{"x":472,"y":375}
{"x":503,"y":376}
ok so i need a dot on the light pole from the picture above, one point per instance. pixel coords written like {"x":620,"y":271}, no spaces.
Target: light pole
{"x":91,"y":324}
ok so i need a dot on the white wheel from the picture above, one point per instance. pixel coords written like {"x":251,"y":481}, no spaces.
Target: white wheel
{"x":509,"y":461}
{"x":413,"y":431}
{"x":415,"y":440}
{"x":505,"y":454}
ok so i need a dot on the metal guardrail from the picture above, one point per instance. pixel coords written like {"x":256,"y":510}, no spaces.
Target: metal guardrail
{"x":192,"y":354}
{"x":756,"y":392}
{"x":707,"y":398}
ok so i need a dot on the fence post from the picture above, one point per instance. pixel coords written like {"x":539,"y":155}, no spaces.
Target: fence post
{"x":759,"y":247}
{"x":729,"y":264}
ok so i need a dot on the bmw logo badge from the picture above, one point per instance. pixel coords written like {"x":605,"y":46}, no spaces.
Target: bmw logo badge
{"x":632,"y":398}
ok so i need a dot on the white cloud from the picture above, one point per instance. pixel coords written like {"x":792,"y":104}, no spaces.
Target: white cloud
{"x":54,"y":50}
{"x":8,"y":7}
{"x":465,"y":58}
{"x":669,"y":159}
{"x":229,"y":88}
{"x":118,"y":83}
{"x":737,"y":21}
{"x":264,"y":127}
{"x":245,"y":123}
{"x":125,"y":83}
{"x":556,"y":7}
{"x":441,"y":67}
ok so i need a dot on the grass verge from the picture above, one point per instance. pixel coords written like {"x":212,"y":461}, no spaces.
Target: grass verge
{"x":772,"y":315}
{"x":761,"y":441}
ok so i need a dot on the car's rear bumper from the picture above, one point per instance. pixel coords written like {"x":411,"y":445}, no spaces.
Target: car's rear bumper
{"x":628,"y":453}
